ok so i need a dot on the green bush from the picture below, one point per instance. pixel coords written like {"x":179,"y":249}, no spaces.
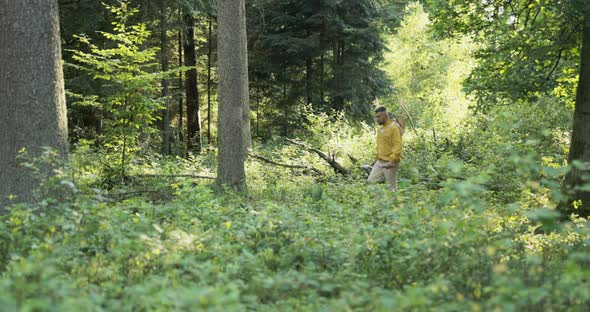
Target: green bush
{"x":463,"y":232}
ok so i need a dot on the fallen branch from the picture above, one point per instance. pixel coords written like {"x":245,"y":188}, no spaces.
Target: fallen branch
{"x":272,"y":162}
{"x":337,"y":166}
{"x":170,"y":176}
{"x":353,"y":159}
{"x":122,"y":195}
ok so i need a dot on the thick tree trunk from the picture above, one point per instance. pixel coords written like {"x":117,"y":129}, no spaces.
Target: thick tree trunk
{"x":233,"y":92}
{"x":32,"y":100}
{"x":164,"y":60}
{"x":580,"y":144}
{"x":193,"y":118}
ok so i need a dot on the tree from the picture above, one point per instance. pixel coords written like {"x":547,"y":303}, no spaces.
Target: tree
{"x":578,"y":179}
{"x":324,"y":53}
{"x":529,"y":49}
{"x":180,"y":95}
{"x":87,"y":17}
{"x":209,"y":55}
{"x":32,"y":105}
{"x":427,"y":73}
{"x":130,"y":101}
{"x":233,"y":93}
{"x":193,"y":120}
{"x":164,"y":62}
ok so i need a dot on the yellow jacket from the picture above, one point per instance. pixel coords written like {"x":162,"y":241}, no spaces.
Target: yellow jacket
{"x":389,"y":142}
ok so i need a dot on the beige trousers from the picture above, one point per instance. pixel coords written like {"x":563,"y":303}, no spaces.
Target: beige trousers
{"x":380,"y":174}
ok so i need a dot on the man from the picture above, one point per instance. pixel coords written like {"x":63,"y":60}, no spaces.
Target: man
{"x":389,"y":150}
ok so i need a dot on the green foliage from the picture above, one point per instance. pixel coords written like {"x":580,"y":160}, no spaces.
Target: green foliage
{"x":428,"y":74}
{"x":473,"y":227}
{"x":542,"y":138}
{"x":448,"y":241}
{"x":324,"y":53}
{"x":527,"y":48}
{"x":131,"y":106}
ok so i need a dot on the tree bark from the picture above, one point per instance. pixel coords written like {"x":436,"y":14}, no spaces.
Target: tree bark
{"x":580,"y":144}
{"x":32,"y":99}
{"x":164,"y":60}
{"x":209,"y":53}
{"x":246,"y":111}
{"x":338,"y":100}
{"x":258,"y":112}
{"x":308,"y":80}
{"x":193,"y":118}
{"x":233,"y":93}
{"x":322,"y":81}
{"x":285,"y":104}
{"x":180,"y":109}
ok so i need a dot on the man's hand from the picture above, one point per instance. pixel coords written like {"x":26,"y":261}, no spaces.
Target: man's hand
{"x":389,"y":165}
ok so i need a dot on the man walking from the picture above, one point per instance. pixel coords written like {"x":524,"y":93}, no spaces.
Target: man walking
{"x":389,"y":150}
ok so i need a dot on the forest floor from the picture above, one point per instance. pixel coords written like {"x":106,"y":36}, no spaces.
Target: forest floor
{"x":293,"y":242}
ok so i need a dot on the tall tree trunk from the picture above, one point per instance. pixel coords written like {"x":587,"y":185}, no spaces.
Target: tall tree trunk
{"x":322,"y":80}
{"x":32,"y":105}
{"x":180,"y":110}
{"x":164,"y":60}
{"x":258,"y":112}
{"x":193,"y":118}
{"x":209,"y":52}
{"x":233,"y":92}
{"x":337,"y":100}
{"x":321,"y":69}
{"x":308,"y":80}
{"x":580,"y":144}
{"x":285,"y":106}
{"x":145,"y":8}
{"x":246,"y":111}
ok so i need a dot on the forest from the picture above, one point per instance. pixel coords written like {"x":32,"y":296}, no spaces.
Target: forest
{"x":295,"y":155}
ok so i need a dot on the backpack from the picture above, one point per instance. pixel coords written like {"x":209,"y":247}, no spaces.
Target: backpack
{"x":401,"y":123}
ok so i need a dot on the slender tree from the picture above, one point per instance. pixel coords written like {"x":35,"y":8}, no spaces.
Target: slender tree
{"x":209,"y":53}
{"x":193,"y":120}
{"x":180,"y":109}
{"x":164,"y":62}
{"x":233,"y":93}
{"x":32,"y":105}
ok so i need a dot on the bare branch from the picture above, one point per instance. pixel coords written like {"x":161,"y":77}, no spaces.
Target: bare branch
{"x":272,"y":162}
{"x":337,"y":166}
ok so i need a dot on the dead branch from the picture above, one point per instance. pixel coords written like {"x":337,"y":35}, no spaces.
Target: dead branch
{"x":353,"y":159}
{"x":331,"y":161}
{"x":170,"y":176}
{"x":272,"y":162}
